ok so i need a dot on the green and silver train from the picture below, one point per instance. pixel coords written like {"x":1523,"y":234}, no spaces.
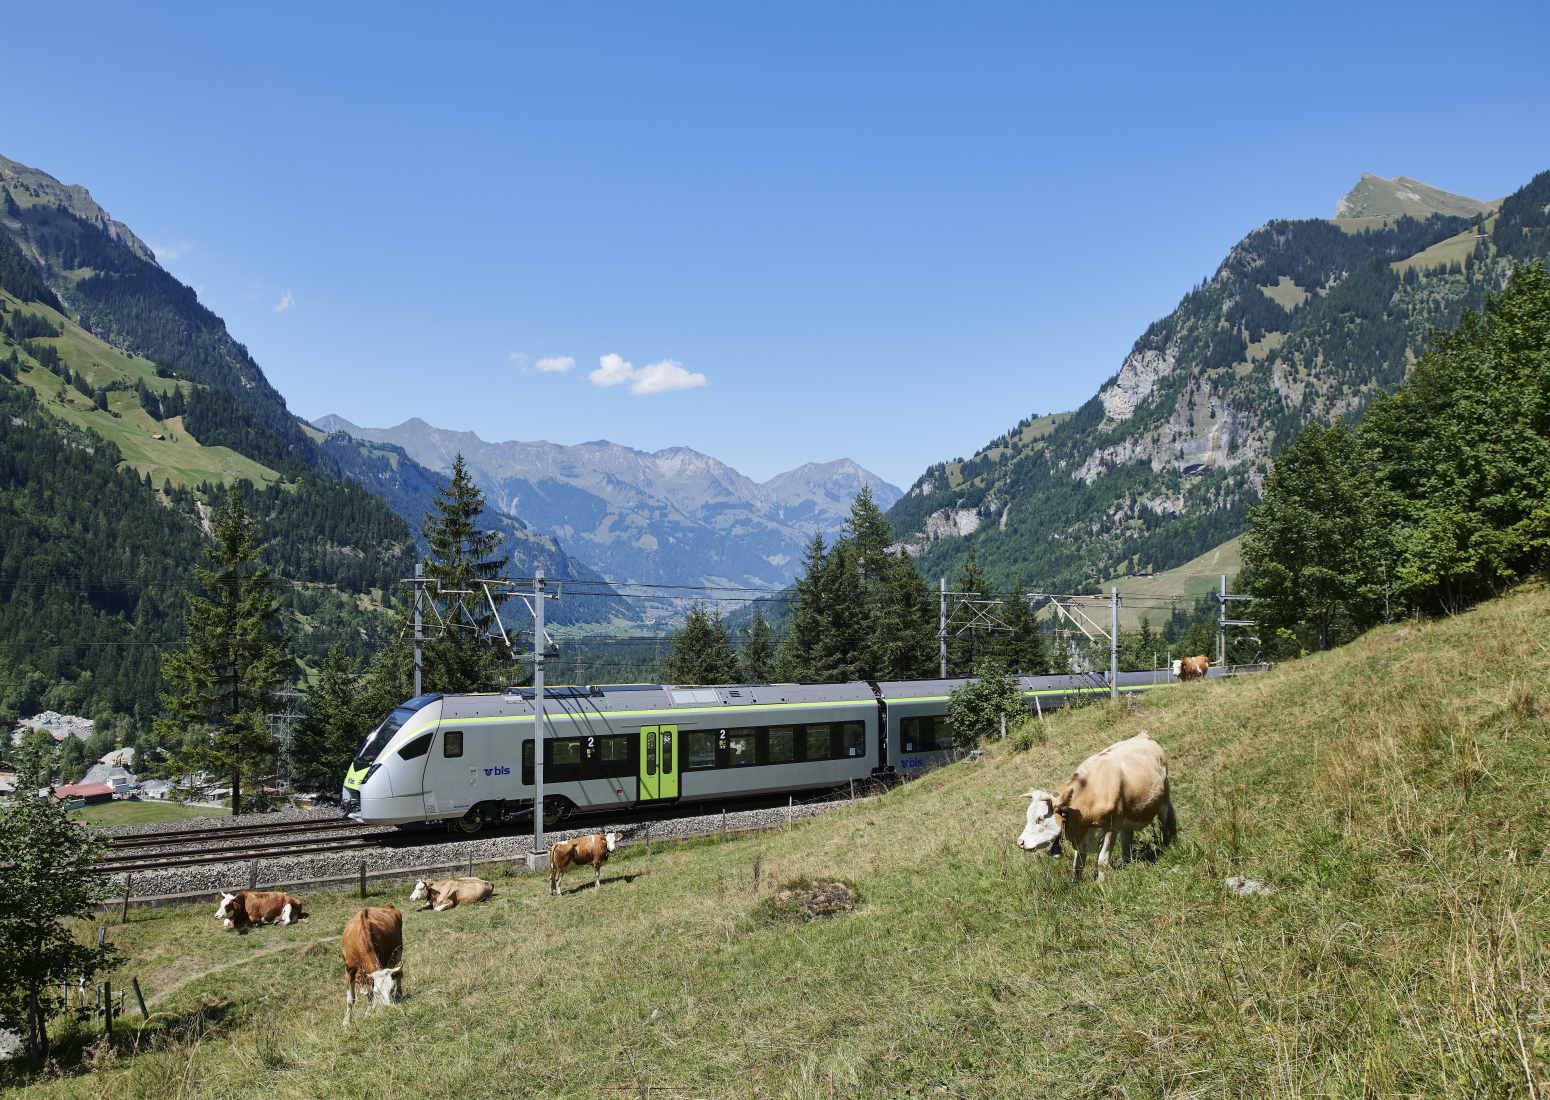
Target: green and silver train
{"x":468,"y":759}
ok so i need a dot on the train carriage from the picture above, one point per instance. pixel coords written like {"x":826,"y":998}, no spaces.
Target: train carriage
{"x":469,"y":759}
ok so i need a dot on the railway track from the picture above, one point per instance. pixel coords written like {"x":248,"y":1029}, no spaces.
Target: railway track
{"x":173,"y":837}
{"x":235,"y":853}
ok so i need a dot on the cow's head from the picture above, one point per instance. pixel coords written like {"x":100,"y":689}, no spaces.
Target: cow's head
{"x":225,"y":911}
{"x":422,"y":890}
{"x":612,"y":840}
{"x":1044,"y":822}
{"x":387,"y":985}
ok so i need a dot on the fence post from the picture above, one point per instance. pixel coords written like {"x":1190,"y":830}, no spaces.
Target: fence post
{"x":253,"y":875}
{"x":852,"y":790}
{"x":789,"y":799}
{"x":123,"y":915}
{"x":134,"y":984}
{"x":723,"y":823}
{"x":107,"y":1008}
{"x":362,"y":864}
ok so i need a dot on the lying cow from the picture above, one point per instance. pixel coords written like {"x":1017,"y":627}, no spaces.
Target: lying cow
{"x":1116,"y":791}
{"x":372,"y":944}
{"x":1191,"y":668}
{"x":249,"y":907}
{"x":579,"y":850}
{"x":450,"y":892}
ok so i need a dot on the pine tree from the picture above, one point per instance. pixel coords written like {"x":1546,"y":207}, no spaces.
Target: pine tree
{"x":47,"y":877}
{"x":1021,"y":645}
{"x":339,"y":712}
{"x":795,"y":661}
{"x":966,"y":644}
{"x":758,"y":654}
{"x":217,"y":689}
{"x":462,"y":658}
{"x":701,"y":653}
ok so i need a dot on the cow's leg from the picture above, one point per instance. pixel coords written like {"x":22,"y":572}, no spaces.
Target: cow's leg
{"x":1127,"y":839}
{"x":349,"y":996}
{"x":554,"y":880}
{"x":1103,"y":852}
{"x":597,"y":876}
{"x":1170,"y":824}
{"x":285,"y":914}
{"x":1078,"y":858}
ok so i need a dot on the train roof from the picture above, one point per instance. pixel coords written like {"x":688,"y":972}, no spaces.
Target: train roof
{"x":614,"y":698}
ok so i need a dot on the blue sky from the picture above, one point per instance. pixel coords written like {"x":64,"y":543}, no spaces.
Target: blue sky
{"x":801,"y":231}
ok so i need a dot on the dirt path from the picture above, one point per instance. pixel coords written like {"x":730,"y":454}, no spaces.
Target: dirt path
{"x":294,"y":946}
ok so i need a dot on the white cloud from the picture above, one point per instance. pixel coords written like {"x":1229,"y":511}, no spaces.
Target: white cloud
{"x":554,"y":364}
{"x":664,"y":377}
{"x":287,"y":300}
{"x":612,"y":371}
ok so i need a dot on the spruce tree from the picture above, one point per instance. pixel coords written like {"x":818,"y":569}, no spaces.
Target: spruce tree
{"x":339,"y":712}
{"x":966,"y":644}
{"x":701,"y":652}
{"x":218,"y":688}
{"x":758,"y":654}
{"x":47,"y":877}
{"x":795,"y":660}
{"x":462,"y":657}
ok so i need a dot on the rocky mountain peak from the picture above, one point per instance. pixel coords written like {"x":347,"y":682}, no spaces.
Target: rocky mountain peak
{"x":25,"y":187}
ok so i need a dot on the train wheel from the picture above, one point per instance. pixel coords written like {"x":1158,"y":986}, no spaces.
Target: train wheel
{"x":556,"y":811}
{"x":472,"y":822}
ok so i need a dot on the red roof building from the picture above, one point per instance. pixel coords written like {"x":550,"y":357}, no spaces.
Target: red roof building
{"x":90,"y":792}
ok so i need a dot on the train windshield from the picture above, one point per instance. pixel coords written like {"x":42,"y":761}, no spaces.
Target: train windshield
{"x":378,"y":738}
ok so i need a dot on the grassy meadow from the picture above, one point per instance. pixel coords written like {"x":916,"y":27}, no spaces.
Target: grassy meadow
{"x":143,"y":812}
{"x":1395,"y":795}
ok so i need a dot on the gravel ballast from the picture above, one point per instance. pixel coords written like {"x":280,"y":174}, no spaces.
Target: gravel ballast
{"x":437,"y":850}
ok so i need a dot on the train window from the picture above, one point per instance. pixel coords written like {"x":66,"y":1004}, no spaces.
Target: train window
{"x":782,"y":744}
{"x":418,"y":747}
{"x":651,"y":752}
{"x":699,"y":749}
{"x":926,"y":734}
{"x":742,"y":748}
{"x":452,"y":743}
{"x":816,"y":742}
{"x":616,"y":756}
{"x":852,"y":739}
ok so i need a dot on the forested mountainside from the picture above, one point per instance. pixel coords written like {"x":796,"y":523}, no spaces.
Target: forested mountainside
{"x":1304,"y":322}
{"x":674,"y":516}
{"x":128,"y":410}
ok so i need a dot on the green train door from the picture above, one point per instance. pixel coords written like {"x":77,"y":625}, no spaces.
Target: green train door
{"x":658,"y":762}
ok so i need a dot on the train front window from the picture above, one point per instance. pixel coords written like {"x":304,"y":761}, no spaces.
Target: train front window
{"x":377,"y":739}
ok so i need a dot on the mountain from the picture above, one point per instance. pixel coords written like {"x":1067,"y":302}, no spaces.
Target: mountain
{"x":673,"y":517}
{"x":1303,"y":322}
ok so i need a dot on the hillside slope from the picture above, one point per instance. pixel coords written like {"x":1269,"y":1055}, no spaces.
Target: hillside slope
{"x":1303,"y":322}
{"x":1394,"y":798}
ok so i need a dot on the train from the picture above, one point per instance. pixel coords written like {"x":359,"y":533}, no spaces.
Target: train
{"x":468,"y":760}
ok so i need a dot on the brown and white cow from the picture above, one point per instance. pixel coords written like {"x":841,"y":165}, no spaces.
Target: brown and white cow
{"x":249,"y":907}
{"x":580,"y":850}
{"x":1191,"y":668}
{"x":372,"y":944}
{"x":448,"y":893}
{"x":1113,"y":792}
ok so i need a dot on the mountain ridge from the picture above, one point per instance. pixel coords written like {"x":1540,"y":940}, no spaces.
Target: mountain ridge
{"x":675,"y":515}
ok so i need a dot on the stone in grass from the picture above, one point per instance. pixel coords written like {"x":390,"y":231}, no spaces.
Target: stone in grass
{"x":1246,"y":887}
{"x":807,"y":899}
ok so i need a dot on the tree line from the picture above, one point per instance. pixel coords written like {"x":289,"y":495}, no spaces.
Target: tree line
{"x":1436,"y":500}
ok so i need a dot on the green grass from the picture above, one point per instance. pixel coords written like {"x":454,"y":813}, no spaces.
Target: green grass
{"x":1286,"y":293}
{"x":138,"y":813}
{"x":1395,"y":794}
{"x":1197,"y":577}
{"x":178,"y":457}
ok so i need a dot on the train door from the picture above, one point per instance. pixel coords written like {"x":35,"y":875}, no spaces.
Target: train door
{"x":658,"y":763}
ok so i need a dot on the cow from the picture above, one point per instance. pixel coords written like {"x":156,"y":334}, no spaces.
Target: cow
{"x":1116,"y":791}
{"x":372,"y":944}
{"x":450,"y":892}
{"x":1191,"y":668}
{"x":250,"y":907}
{"x":592,"y":849}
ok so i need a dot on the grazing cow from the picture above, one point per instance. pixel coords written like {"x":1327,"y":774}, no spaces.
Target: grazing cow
{"x":1116,"y":791}
{"x":249,"y":907}
{"x":373,"y":943}
{"x":592,"y":849}
{"x":450,"y":892}
{"x":1191,"y":668}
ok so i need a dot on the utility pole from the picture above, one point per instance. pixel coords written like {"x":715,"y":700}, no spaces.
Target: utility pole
{"x":1221,"y":624}
{"x":419,"y":631}
{"x":1114,"y":643}
{"x":941,"y":628}
{"x":539,"y":741}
